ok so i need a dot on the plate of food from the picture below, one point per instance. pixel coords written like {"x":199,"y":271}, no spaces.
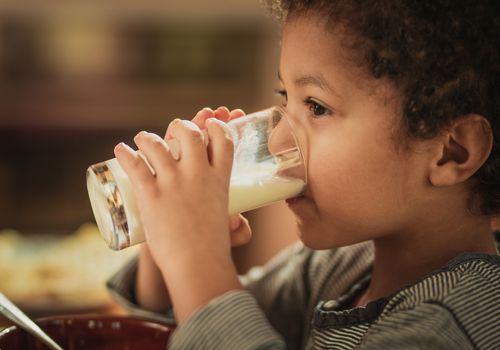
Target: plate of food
{"x":48,"y":274}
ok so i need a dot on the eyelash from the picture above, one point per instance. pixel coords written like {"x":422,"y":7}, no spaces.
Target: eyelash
{"x":309,"y":102}
{"x":282,"y":93}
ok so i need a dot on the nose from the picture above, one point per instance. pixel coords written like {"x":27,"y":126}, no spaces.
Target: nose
{"x":281,"y":137}
{"x":284,"y":146}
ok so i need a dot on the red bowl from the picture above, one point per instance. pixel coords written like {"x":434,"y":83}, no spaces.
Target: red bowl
{"x":91,"y":332}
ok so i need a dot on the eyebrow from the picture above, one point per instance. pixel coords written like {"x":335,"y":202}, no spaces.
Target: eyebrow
{"x":316,"y":80}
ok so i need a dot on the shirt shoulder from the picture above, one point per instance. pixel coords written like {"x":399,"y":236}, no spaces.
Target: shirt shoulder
{"x":466,"y":289}
{"x":475,"y":299}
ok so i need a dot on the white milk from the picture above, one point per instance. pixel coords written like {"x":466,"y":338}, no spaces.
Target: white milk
{"x":248,"y":195}
{"x":248,"y":190}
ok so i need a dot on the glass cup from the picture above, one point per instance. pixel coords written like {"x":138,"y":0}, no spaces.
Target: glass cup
{"x":268,"y":166}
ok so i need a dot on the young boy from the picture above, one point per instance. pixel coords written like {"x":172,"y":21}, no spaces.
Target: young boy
{"x":397,"y":109}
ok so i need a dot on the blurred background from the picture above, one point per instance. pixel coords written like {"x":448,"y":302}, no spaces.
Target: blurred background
{"x":77,"y":77}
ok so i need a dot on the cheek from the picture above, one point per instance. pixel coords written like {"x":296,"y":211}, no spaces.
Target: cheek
{"x":357,"y":186}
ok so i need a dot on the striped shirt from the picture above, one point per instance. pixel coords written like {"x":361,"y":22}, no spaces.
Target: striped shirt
{"x":302,"y":300}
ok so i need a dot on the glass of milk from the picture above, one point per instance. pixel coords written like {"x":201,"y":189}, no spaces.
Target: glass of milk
{"x":268,"y":166}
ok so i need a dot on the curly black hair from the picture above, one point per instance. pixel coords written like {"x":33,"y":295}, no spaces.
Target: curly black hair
{"x":442,"y":55}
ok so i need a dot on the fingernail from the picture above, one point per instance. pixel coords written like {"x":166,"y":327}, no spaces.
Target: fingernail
{"x":154,"y":136}
{"x":223,"y":125}
{"x":175,"y":148}
{"x":222,"y":108}
{"x":142,"y":133}
{"x":175,"y":121}
{"x":205,"y":111}
{"x":189,"y":124}
{"x":119,"y":147}
{"x":123,"y":146}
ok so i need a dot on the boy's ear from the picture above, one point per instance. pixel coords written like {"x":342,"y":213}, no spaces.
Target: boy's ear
{"x":461,"y":150}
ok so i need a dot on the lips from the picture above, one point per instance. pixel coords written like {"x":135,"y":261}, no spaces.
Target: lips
{"x":294,"y":200}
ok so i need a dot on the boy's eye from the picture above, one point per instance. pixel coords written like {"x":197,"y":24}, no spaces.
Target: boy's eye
{"x":282,"y":93}
{"x":317,"y":109}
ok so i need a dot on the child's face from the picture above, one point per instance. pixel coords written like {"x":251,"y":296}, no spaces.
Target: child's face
{"x":359,"y":187}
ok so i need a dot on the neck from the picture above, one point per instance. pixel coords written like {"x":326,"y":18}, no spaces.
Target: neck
{"x":403,"y":258}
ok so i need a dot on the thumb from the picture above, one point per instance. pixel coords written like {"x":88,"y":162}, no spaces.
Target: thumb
{"x":240,"y":230}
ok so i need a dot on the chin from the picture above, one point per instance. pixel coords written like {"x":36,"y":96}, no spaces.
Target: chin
{"x":316,"y":246}
{"x":313,"y":239}
{"x":321,"y":239}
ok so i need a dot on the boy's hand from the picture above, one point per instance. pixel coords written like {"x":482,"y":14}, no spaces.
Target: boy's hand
{"x":151,"y":291}
{"x":239,"y":228}
{"x":184,"y":207}
{"x":221,"y":113}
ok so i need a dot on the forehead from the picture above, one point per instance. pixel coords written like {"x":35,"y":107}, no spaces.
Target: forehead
{"x":312,"y":47}
{"x":305,"y":27}
{"x":309,"y":49}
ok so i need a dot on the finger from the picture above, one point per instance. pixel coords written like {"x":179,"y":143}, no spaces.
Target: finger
{"x":138,"y":172}
{"x":236,"y":113}
{"x":193,"y":151}
{"x":234,"y":222}
{"x":222,"y":113}
{"x":243,"y":233}
{"x":174,"y":145}
{"x":199,"y":119}
{"x":157,"y":152}
{"x":220,"y":146}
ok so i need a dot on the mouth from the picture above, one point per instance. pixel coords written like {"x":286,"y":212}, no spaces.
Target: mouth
{"x":295,"y":200}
